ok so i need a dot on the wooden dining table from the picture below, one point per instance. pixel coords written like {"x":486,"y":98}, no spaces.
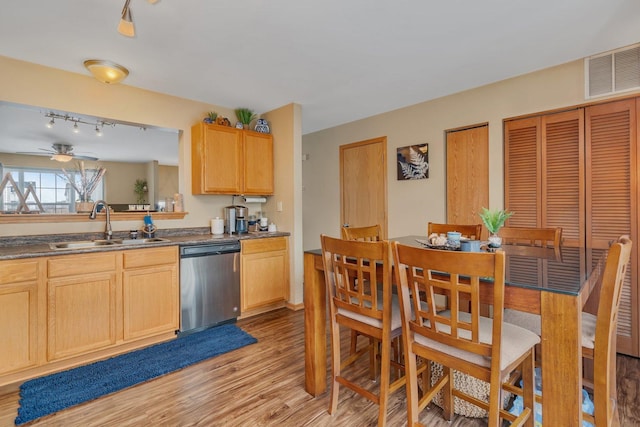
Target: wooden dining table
{"x":554,"y":283}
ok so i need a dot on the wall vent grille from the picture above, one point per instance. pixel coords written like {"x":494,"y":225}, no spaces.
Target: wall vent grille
{"x":613,"y":72}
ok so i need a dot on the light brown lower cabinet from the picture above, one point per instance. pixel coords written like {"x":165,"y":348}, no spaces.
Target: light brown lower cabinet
{"x":19,"y":314}
{"x":264,"y":275}
{"x":150,"y":292}
{"x":62,"y":311}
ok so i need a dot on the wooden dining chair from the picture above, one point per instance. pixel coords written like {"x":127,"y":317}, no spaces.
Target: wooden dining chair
{"x":485,"y":348}
{"x":357,"y":302}
{"x":471,"y":231}
{"x":546,"y":237}
{"x":369,"y":233}
{"x":598,"y":333}
{"x":539,"y":237}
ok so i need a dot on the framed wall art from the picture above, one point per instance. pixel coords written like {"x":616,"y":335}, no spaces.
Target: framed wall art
{"x":413,"y":162}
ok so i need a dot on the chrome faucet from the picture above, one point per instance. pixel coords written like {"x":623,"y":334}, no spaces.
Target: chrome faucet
{"x":107,"y":229}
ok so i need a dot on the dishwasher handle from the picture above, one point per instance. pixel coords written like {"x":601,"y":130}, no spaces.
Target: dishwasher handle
{"x":207,"y":250}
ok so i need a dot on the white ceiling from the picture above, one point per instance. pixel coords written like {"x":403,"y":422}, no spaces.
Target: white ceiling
{"x":341,"y":60}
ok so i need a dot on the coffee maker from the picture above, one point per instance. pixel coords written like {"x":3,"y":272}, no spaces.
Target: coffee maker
{"x":242,"y":215}
{"x":230,"y":219}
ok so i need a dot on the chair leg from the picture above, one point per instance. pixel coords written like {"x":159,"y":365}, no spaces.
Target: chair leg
{"x":528,"y":387}
{"x":447,"y":394}
{"x":413,"y":411}
{"x":354,"y":341}
{"x":335,"y":368}
{"x":385,"y":373}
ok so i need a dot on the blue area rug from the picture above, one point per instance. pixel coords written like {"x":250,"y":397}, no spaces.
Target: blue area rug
{"x":46,"y":395}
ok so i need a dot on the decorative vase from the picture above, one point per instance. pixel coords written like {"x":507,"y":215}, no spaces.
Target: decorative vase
{"x":84,"y":207}
{"x":495,"y":241}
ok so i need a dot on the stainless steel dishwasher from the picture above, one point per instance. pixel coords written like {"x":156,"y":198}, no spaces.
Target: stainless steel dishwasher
{"x":209,"y":285}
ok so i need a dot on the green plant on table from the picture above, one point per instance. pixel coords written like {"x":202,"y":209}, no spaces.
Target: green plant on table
{"x":494,"y":220}
{"x":245,"y":115}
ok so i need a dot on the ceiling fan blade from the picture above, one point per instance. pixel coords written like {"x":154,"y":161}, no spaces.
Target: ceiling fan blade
{"x":36,"y":153}
{"x":93,"y":159}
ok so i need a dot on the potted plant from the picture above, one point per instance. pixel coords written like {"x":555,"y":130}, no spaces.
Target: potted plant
{"x":140,"y":187}
{"x":494,"y":220}
{"x":245,"y":116}
{"x":211,"y":117}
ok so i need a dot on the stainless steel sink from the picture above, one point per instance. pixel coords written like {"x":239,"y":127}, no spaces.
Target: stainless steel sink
{"x":141,"y":241}
{"x":87,"y":244}
{"x":82,"y":244}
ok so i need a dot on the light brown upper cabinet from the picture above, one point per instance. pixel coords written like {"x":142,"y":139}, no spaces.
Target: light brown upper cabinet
{"x":226,"y":160}
{"x":578,"y":169}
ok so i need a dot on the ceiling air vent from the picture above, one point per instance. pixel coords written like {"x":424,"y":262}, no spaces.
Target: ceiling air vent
{"x":613,"y":72}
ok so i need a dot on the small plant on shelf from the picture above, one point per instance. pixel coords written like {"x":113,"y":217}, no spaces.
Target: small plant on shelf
{"x":211,"y":117}
{"x":245,"y":116}
{"x":140,"y":187}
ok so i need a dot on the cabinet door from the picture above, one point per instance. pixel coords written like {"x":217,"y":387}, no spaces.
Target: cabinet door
{"x":81,"y":314}
{"x":216,"y":153}
{"x":258,"y":163}
{"x":18,"y":315}
{"x":150,"y":301}
{"x":611,"y":184}
{"x":264,"y":273}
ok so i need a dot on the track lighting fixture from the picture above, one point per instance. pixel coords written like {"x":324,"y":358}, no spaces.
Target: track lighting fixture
{"x":98,"y":125}
{"x":126,"y":27}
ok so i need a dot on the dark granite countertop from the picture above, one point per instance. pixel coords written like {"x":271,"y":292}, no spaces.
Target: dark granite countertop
{"x":38,"y":245}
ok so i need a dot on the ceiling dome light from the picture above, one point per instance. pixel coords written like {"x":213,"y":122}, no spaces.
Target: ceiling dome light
{"x":76,"y":129}
{"x":106,"y":71}
{"x":98,"y":131}
{"x":51,"y":123}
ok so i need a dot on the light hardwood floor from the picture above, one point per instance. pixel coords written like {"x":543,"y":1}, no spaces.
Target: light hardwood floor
{"x":261,"y":385}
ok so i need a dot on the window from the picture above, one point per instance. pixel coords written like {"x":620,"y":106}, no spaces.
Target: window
{"x":44,"y":190}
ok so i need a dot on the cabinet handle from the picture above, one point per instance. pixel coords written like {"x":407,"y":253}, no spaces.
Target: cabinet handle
{"x":235,"y":262}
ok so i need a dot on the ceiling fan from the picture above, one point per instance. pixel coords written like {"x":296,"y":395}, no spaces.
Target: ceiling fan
{"x":61,"y":153}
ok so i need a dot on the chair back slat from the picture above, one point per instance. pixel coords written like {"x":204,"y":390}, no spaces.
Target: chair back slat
{"x":544,"y":237}
{"x":612,"y":281}
{"x":370,"y":233}
{"x":471,"y":231}
{"x":424,"y":273}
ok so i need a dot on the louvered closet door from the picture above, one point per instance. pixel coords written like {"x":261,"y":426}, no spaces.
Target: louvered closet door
{"x":611,"y":188}
{"x":543,"y":185}
{"x":562,"y":175}
{"x":522,"y":171}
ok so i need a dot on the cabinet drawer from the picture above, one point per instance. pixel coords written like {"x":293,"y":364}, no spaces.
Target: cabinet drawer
{"x":148,"y":257}
{"x":18,"y":271}
{"x":264,"y":245}
{"x":70,"y":265}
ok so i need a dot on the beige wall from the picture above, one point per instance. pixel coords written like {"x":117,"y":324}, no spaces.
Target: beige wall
{"x":32,"y":84}
{"x":413,"y":203}
{"x":287,"y":136}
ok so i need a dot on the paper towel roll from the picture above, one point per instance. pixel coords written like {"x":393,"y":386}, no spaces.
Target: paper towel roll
{"x":255,"y":199}
{"x":217,"y":226}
